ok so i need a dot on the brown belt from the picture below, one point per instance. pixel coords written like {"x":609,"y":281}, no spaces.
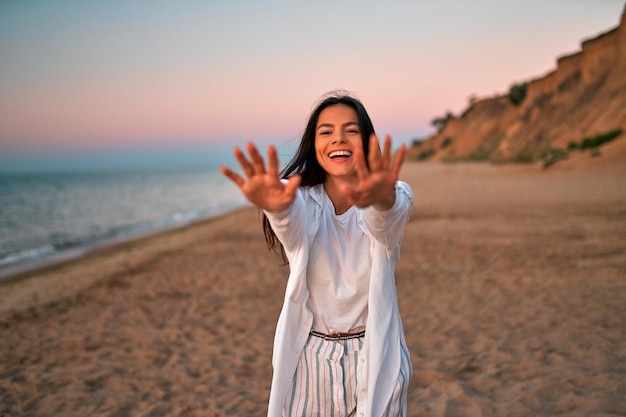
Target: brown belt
{"x":338,"y":336}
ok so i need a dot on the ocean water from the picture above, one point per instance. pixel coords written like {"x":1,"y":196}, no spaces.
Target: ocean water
{"x":55,"y":215}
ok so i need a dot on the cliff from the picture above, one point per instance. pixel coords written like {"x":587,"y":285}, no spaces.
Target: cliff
{"x":582,"y":100}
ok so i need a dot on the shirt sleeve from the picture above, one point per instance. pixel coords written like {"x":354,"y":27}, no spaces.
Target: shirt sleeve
{"x":289,"y":224}
{"x":388,"y":226}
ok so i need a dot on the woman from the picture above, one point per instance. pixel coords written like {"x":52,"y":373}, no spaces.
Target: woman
{"x":337,"y":212}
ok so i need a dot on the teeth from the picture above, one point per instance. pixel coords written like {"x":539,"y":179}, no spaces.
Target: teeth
{"x":340,"y":153}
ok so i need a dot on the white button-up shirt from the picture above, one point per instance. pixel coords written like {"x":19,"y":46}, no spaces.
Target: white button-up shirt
{"x":384,"y":341}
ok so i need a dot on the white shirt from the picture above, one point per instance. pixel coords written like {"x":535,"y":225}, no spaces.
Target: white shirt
{"x":384,"y":341}
{"x":338,"y":272}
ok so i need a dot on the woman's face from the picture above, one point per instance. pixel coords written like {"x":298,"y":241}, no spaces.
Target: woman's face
{"x":337,"y":135}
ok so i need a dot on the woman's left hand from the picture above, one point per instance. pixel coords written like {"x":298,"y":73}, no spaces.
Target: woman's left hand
{"x":376,"y":185}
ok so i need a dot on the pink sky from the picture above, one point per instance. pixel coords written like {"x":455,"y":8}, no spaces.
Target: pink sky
{"x":97,"y":74}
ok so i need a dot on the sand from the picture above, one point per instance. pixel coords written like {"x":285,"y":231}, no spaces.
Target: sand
{"x":512,"y":288}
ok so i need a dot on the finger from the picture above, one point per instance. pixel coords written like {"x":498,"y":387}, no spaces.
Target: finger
{"x":257,"y":159}
{"x":374,"y":154}
{"x":292,"y":184}
{"x":232,"y":175}
{"x":272,"y":157}
{"x":243,"y":161}
{"x":359,"y":164}
{"x":398,"y":160}
{"x":386,"y":152}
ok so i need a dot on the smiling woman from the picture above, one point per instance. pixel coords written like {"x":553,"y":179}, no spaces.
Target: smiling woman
{"x":337,"y":214}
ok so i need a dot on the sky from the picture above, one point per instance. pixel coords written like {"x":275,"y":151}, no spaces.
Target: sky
{"x":86,"y":82}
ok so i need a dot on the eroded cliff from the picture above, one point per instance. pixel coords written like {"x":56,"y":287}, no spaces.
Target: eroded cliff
{"x":584,"y":98}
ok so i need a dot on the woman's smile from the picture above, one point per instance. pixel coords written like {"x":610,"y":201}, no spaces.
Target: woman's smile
{"x":340,"y":155}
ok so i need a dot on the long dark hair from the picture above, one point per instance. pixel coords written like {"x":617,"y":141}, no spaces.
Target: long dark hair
{"x":305,"y":161}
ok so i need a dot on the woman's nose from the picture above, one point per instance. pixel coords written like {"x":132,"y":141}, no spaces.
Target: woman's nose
{"x":339,"y":138}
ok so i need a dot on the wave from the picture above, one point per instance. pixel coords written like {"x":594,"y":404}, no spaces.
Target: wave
{"x":27,"y":259}
{"x":27,"y":254}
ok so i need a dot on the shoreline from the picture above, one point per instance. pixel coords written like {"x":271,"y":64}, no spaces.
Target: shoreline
{"x":15,"y":271}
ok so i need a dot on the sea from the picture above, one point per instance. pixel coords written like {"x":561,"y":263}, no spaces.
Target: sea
{"x":50,"y":216}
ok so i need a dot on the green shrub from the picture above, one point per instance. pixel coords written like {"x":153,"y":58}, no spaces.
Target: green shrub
{"x":425,"y":154}
{"x":600,"y":139}
{"x":478,"y":156}
{"x":524,"y":158}
{"x":517,"y":93}
{"x":440,"y":122}
{"x":446,"y":142}
{"x":553,"y":156}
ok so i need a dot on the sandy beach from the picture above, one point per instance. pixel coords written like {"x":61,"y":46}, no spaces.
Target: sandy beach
{"x":512,"y":289}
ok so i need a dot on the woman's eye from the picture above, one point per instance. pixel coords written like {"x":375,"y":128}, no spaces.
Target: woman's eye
{"x":353,"y":131}
{"x":324,"y":133}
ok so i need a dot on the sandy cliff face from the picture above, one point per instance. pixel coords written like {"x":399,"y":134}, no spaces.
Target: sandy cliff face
{"x":583,"y":97}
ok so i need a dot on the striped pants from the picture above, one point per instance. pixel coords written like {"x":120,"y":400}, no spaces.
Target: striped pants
{"x":327,"y":381}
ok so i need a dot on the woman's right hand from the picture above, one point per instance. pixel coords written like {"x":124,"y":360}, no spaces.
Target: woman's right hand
{"x":263,"y":188}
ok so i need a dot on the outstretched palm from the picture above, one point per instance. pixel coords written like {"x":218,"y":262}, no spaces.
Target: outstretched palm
{"x":263,"y":188}
{"x":375,"y":186}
